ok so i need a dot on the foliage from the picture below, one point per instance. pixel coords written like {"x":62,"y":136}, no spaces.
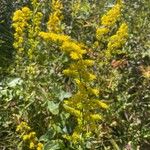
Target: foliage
{"x":79,"y":78}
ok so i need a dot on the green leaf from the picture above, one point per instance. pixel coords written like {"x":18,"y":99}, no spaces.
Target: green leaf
{"x":48,"y":135}
{"x":14,"y":82}
{"x":53,"y":107}
{"x":64,"y":95}
{"x":54,"y":145}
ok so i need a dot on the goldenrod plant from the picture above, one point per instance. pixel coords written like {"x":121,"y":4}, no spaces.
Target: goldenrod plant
{"x":72,"y":83}
{"x":84,"y":104}
{"x":28,"y":136}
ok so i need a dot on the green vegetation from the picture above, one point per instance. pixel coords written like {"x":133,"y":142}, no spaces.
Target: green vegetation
{"x":74,"y":75}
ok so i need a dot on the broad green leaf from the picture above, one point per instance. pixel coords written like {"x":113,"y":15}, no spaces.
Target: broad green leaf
{"x":64,"y":95}
{"x":54,"y":145}
{"x":53,"y":107}
{"x":14,"y":82}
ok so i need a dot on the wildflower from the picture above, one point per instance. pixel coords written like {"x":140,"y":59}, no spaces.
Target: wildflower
{"x":37,"y":22}
{"x":75,"y":56}
{"x":75,"y":136}
{"x":96,"y":117}
{"x":34,"y":3}
{"x":111,"y":16}
{"x":32,"y":145}
{"x":32,"y":135}
{"x":91,"y":77}
{"x":117,"y":40}
{"x":26,"y":12}
{"x":20,"y":23}
{"x":25,"y":137}
{"x":23,"y":126}
{"x":18,"y":15}
{"x":40,"y":146}
{"x":54,"y":37}
{"x":95,"y":91}
{"x":69,"y":72}
{"x":80,"y":69}
{"x":73,"y":111}
{"x":69,"y":46}
{"x":28,"y":137}
{"x":77,"y":81}
{"x":100,"y":32}
{"x":54,"y":22}
{"x":88,"y":62}
{"x":102,"y":104}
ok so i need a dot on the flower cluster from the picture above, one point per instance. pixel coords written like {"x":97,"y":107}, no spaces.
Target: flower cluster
{"x":54,"y":22}
{"x":54,"y":37}
{"x":116,"y":41}
{"x":75,"y":51}
{"x":28,"y":136}
{"x":68,"y":45}
{"x":33,"y":31}
{"x":27,"y":25}
{"x":20,"y":23}
{"x":100,"y":32}
{"x":84,"y":103}
{"x":108,"y":20}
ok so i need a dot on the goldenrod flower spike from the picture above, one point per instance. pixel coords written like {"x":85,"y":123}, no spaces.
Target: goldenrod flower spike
{"x":54,"y":22}
{"x":81,"y":70}
{"x":108,"y":20}
{"x":28,"y":136}
{"x":118,"y":40}
{"x":20,"y":23}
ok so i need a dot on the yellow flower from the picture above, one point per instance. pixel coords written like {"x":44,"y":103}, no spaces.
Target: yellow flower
{"x":56,"y":5}
{"x":75,"y":136}
{"x":92,"y":77}
{"x":34,"y":3}
{"x":102,"y":104}
{"x":75,"y":56}
{"x":95,"y":92}
{"x":117,"y":40}
{"x":69,"y":72}
{"x":88,"y":62}
{"x":73,"y":111}
{"x":32,"y":135}
{"x":54,"y":22}
{"x":96,"y":117}
{"x":100,"y":32}
{"x":32,"y":145}
{"x":69,"y":46}
{"x":54,"y":37}
{"x":26,"y":12}
{"x":39,"y":146}
{"x":17,"y":16}
{"x":77,"y":81}
{"x":23,"y":126}
{"x":20,"y":23}
{"x":111,"y":16}
{"x":25,"y":137}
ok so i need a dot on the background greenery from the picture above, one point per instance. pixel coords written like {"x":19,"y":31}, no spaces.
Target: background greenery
{"x":128,"y":122}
